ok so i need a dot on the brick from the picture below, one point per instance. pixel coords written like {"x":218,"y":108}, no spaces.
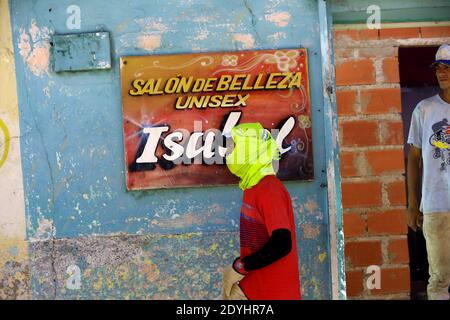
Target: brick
{"x":390,"y":70}
{"x":397,"y":193}
{"x":392,"y":133}
{"x":385,"y":161}
{"x":354,"y":280}
{"x":387,"y":222}
{"x":356,"y":35}
{"x":435,"y":32}
{"x":363,"y":253}
{"x":400,"y":33}
{"x":359,"y":133}
{"x":398,"y":251}
{"x":381,"y":101}
{"x":354,"y":225}
{"x":344,"y":53}
{"x":393,"y":280}
{"x":347,"y":160}
{"x":361,"y":194}
{"x":355,"y":71}
{"x":346,"y":101}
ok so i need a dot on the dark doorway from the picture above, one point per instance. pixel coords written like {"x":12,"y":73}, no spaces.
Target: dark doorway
{"x":418,"y":81}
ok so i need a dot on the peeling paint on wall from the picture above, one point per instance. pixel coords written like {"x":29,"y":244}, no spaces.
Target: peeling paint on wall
{"x":276,"y":37}
{"x":281,"y":19}
{"x":310,"y":231}
{"x":247,"y":41}
{"x":149,"y":42}
{"x":152,"y":24}
{"x":151,"y":33}
{"x":310,"y":209}
{"x":44,"y":231}
{"x":34,"y":47}
{"x":201,"y":35}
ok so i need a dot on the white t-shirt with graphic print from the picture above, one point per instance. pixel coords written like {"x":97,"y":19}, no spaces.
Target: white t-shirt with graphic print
{"x":430,"y":131}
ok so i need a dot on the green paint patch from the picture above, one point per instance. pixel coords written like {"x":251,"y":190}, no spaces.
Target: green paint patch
{"x":322,"y":257}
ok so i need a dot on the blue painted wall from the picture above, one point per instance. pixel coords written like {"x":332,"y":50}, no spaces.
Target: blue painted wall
{"x":72,"y":143}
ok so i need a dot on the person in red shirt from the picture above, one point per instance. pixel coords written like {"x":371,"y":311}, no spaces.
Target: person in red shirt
{"x":267,"y":268}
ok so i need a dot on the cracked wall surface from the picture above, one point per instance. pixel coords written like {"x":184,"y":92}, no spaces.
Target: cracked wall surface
{"x":88,"y":237}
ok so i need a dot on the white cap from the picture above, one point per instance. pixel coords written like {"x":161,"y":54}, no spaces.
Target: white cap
{"x":443,"y":55}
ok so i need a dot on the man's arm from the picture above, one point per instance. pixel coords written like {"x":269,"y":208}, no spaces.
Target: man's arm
{"x":278,"y":246}
{"x":413,"y":174}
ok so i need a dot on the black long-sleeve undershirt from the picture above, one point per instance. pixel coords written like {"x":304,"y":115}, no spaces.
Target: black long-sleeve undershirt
{"x":278,"y":246}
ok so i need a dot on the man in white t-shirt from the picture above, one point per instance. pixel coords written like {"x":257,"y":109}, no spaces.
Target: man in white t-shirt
{"x":429,"y":139}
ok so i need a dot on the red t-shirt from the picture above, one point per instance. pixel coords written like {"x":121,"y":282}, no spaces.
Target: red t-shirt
{"x":266,"y":207}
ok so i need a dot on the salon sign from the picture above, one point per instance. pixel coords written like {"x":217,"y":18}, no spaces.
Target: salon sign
{"x":177,"y":108}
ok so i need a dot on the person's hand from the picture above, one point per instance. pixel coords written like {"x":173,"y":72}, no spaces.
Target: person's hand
{"x":230,"y":277}
{"x":415,"y":218}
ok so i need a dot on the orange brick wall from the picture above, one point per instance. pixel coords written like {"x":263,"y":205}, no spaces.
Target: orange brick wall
{"x":372,"y":164}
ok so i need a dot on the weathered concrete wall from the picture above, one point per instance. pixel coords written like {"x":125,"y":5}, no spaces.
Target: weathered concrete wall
{"x":13,"y":248}
{"x":89,"y":238}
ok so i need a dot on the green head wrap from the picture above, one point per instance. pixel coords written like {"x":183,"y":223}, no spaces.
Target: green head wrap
{"x":253,"y":153}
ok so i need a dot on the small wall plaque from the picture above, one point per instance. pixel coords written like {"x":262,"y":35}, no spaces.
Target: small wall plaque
{"x":81,"y":51}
